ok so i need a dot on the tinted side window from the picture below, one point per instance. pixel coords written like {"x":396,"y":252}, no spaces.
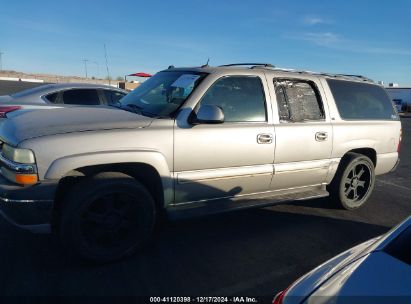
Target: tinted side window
{"x":81,"y":97}
{"x":298,"y":101}
{"x":113,"y":97}
{"x":51,"y":97}
{"x":240,"y":97}
{"x":361,"y":100}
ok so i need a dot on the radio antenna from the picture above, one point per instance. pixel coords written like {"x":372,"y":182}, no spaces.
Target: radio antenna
{"x":206,"y":65}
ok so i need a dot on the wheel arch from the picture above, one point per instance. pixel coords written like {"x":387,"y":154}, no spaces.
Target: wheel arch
{"x":369,"y":152}
{"x":149,"y":168}
{"x":338,"y":163}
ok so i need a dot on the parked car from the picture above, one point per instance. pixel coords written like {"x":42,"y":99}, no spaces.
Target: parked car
{"x":194,"y":141}
{"x":378,"y":270}
{"x":66,"y":93}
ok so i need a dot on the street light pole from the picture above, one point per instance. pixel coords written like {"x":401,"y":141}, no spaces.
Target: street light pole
{"x":85,"y":66}
{"x":98,"y":68}
{"x":108,"y":71}
{"x":1,"y":61}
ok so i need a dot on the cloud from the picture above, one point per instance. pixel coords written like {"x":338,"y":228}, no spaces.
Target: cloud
{"x":315,"y":20}
{"x":337,"y":42}
{"x":327,"y":39}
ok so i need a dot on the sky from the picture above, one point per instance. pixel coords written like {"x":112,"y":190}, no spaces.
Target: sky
{"x":371,"y":38}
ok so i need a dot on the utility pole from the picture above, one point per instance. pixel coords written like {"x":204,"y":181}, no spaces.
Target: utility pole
{"x":85,"y":65}
{"x":98,"y":68}
{"x":108,"y":72}
{"x":1,"y":62}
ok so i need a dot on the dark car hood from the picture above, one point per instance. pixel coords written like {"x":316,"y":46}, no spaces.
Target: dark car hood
{"x":36,"y":123}
{"x":375,"y":275}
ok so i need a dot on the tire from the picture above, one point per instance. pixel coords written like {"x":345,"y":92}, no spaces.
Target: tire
{"x":353,"y":182}
{"x":107,"y":217}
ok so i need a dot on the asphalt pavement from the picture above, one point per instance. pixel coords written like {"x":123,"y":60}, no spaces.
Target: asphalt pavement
{"x":248,"y":253}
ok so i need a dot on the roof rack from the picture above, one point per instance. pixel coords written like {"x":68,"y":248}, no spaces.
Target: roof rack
{"x":355,"y":76}
{"x":363,"y":78}
{"x":251,"y":64}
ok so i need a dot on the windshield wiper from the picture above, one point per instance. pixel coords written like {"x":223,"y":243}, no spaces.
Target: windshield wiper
{"x":138,"y":110}
{"x":135,"y":108}
{"x":130,"y":108}
{"x":118,"y":106}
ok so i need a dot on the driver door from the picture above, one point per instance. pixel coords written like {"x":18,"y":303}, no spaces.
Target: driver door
{"x":234,"y":158}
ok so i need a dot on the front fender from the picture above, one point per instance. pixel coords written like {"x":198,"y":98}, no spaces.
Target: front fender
{"x":60,"y":167}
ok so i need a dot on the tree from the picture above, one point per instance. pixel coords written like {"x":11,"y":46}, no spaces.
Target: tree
{"x":120,"y":78}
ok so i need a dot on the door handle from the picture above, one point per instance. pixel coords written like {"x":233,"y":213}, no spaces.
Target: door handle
{"x":264,"y":138}
{"x":321,"y":136}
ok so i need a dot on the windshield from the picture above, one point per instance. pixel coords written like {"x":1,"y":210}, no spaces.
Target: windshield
{"x":163,"y":93}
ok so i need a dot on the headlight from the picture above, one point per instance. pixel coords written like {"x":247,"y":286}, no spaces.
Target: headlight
{"x":22,"y":156}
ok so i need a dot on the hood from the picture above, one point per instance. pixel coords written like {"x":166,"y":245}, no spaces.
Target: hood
{"x":329,"y":277}
{"x":308,"y":283}
{"x":374,"y":275}
{"x":36,"y":123}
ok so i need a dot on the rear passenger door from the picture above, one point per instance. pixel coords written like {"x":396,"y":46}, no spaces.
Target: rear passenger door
{"x":80,"y":97}
{"x":303,"y":134}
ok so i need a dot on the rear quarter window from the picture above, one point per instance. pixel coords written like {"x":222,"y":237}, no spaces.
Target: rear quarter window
{"x":113,"y":97}
{"x":51,"y":97}
{"x":361,"y":101}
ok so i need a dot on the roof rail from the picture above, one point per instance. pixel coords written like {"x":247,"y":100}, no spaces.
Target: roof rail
{"x":293,"y":70}
{"x":355,"y":76}
{"x":252,"y":64}
{"x":363,"y":78}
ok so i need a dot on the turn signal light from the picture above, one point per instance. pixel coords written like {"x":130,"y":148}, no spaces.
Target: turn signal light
{"x":279,"y":297}
{"x":26,"y":179}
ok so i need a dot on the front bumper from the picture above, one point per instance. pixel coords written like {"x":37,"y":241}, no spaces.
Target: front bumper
{"x":28,"y":207}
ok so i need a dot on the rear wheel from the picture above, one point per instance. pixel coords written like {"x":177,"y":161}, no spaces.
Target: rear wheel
{"x":107,"y":216}
{"x":353,"y":182}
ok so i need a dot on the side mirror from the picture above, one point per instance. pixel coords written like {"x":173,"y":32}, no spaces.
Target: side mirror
{"x":209,"y":114}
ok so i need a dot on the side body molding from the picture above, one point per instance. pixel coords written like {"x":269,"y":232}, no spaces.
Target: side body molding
{"x":60,"y":167}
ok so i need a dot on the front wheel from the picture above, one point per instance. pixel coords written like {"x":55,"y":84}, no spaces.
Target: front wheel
{"x":106,"y":217}
{"x":353,"y":182}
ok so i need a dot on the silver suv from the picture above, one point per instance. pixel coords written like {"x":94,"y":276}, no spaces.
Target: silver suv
{"x":194,"y":141}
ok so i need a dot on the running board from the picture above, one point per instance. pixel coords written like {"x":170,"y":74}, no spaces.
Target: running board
{"x":203,"y":208}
